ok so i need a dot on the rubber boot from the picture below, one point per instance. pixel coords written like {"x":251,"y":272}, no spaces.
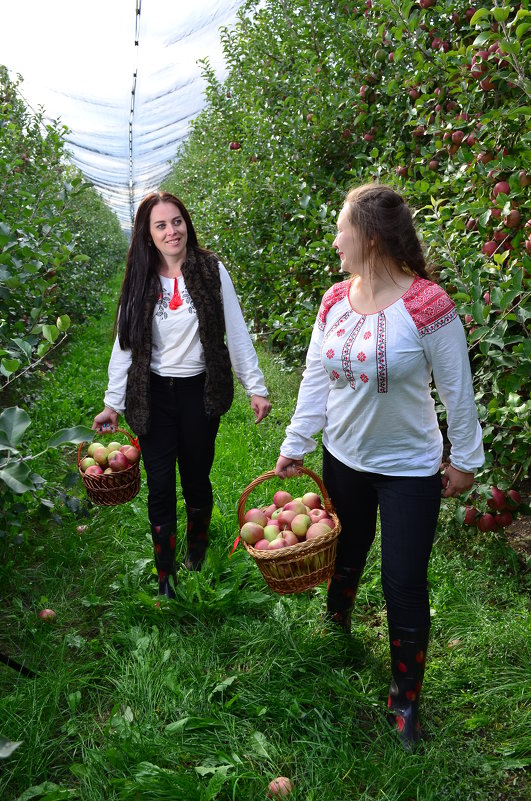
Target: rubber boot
{"x":342,"y":589}
{"x":198,"y":521}
{"x":408,"y":660}
{"x":164,"y":539}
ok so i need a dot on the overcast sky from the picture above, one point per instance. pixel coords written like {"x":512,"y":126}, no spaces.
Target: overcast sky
{"x":78,"y":59}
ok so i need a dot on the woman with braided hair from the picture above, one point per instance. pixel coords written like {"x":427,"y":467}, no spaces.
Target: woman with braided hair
{"x":380,"y":338}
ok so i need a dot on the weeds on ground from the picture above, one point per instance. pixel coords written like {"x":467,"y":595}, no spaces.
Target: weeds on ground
{"x":212,"y":695}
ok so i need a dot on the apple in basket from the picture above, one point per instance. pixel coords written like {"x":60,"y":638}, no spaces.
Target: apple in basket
{"x":300,"y":525}
{"x":317,"y":530}
{"x":255,"y":516}
{"x":251,"y":532}
{"x":118,"y":461}
{"x":281,"y":498}
{"x":92,"y":447}
{"x":131,"y":453}
{"x":311,"y":500}
{"x":317,"y":514}
{"x":88,"y":461}
{"x":94,"y":470}
{"x":100,"y":455}
{"x":114,"y":446}
{"x":271,"y":532}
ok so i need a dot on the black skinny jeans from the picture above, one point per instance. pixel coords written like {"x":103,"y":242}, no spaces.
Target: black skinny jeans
{"x":409,"y":509}
{"x":180,"y":435}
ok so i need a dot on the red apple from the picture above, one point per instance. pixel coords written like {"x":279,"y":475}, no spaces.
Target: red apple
{"x":281,"y":786}
{"x":131,"y":453}
{"x":255,"y":516}
{"x":100,"y":455}
{"x":487,"y":522}
{"x":290,"y":537}
{"x":489,"y":247}
{"x":312,"y":500}
{"x":92,"y":447}
{"x":471,"y":514}
{"x":48,"y":615}
{"x":281,"y":497}
{"x":504,"y":519}
{"x":285,"y":517}
{"x":512,"y":220}
{"x":277,"y":543}
{"x":501,"y":188}
{"x":317,"y":530}
{"x":317,"y":514}
{"x":94,"y":470}
{"x":514,"y":499}
{"x":251,"y":533}
{"x":117,"y":461}
{"x":261,"y":545}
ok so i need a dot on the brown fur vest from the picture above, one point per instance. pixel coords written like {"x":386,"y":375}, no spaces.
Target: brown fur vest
{"x":201,"y":275}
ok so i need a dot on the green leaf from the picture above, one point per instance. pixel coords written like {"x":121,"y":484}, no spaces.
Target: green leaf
{"x":73,"y":435}
{"x":501,"y":14}
{"x":63,"y":322}
{"x":9,"y":366}
{"x":50,"y":332}
{"x":522,"y":29}
{"x":14,"y":422}
{"x":193,"y":724}
{"x":17,"y":476}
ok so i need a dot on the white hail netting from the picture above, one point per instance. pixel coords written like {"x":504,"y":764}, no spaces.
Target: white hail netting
{"x":127,"y":105}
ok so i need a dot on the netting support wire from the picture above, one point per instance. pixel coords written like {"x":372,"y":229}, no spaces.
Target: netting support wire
{"x":131,"y":117}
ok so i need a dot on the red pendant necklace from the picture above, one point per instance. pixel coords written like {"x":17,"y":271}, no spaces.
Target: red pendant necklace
{"x":176,"y":300}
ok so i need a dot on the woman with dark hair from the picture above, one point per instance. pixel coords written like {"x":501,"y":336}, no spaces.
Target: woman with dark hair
{"x":379,"y":340}
{"x":170,"y":371}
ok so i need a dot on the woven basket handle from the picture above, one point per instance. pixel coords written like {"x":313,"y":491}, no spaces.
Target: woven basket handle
{"x":106,"y":434}
{"x":271,"y":474}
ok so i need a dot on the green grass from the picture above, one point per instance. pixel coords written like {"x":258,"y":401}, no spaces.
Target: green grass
{"x":212,"y":695}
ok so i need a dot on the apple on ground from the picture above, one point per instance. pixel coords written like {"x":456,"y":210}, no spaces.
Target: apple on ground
{"x":48,"y":615}
{"x":281,"y":786}
{"x":251,"y":532}
{"x":256,"y":516}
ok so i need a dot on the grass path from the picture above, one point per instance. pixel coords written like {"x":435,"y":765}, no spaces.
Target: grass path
{"x":212,"y":695}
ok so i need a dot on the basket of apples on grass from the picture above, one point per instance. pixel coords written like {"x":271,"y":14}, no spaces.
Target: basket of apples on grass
{"x":110,"y":473}
{"x":293,"y":540}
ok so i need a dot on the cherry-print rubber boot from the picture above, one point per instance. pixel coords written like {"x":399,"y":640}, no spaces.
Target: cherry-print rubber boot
{"x":342,"y":588}
{"x":164,"y":539}
{"x":408,"y":660}
{"x":198,"y":522}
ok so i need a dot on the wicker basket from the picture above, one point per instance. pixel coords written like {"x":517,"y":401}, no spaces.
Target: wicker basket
{"x":111,"y":489}
{"x":298,"y":567}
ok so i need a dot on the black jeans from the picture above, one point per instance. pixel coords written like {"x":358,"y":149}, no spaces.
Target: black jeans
{"x":409,"y":509}
{"x":180,"y":434}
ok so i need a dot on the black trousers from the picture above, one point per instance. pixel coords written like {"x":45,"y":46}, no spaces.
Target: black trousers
{"x":180,"y":435}
{"x":409,"y":509}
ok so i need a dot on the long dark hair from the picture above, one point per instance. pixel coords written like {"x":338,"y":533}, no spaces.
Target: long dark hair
{"x":142,"y":266}
{"x":381,"y":215}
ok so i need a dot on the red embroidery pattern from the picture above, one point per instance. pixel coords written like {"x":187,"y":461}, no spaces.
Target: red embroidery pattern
{"x":361,"y":356}
{"x":330,"y":353}
{"x":429,"y":306}
{"x":381,"y":355}
{"x":340,"y":332}
{"x":346,"y":352}
{"x":332,"y":296}
{"x":364,"y":378}
{"x":335,"y":375}
{"x":367,"y":335}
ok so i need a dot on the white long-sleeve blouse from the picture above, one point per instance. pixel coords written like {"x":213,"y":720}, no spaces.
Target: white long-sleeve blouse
{"x":177,"y":349}
{"x":368,"y":380}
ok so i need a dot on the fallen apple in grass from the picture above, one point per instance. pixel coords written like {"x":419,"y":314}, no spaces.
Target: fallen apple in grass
{"x":48,"y":615}
{"x":281,"y":786}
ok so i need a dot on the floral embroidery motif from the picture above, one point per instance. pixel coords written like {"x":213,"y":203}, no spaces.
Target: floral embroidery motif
{"x":429,"y":306}
{"x":367,"y":335}
{"x":330,"y":353}
{"x":340,"y":332}
{"x":361,"y":356}
{"x":163,"y":302}
{"x":381,"y":354}
{"x":335,"y":375}
{"x":364,"y":378}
